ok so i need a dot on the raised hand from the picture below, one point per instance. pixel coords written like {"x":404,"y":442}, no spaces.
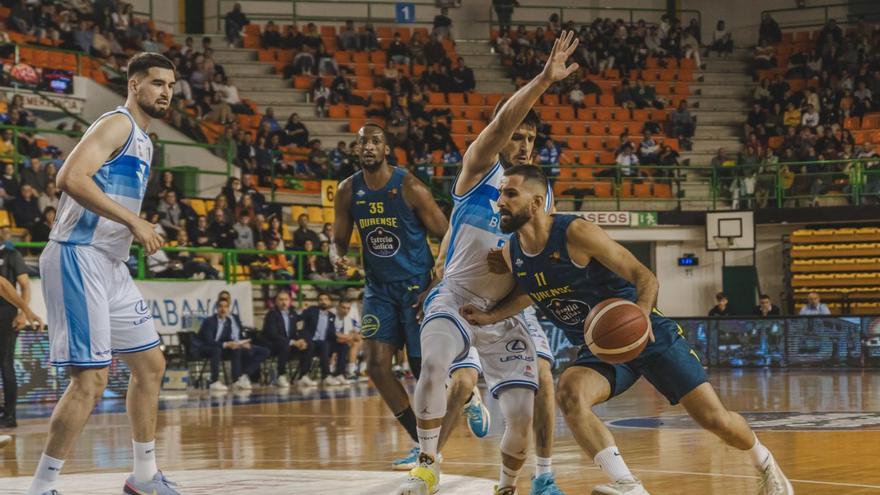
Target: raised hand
{"x":555,"y":68}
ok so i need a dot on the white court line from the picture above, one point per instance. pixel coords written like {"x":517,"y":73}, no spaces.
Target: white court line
{"x":697,"y":427}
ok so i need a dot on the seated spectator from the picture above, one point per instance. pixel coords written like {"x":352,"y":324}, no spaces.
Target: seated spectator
{"x":170,"y":215}
{"x":338,"y":158}
{"x":417,"y":49}
{"x":303,"y":233}
{"x":548,"y":158}
{"x":442,"y":25}
{"x":720,"y":308}
{"x":348,"y":325}
{"x":235,"y":21}
{"x":193,"y":266}
{"x":49,"y":198}
{"x":220,"y":230}
{"x":765,"y":55}
{"x":318,"y":162}
{"x":348,"y":38}
{"x":627,"y":161}
{"x":722,"y":40}
{"x":434,"y":52}
{"x":814,"y":306}
{"x":683,"y":124}
{"x":755,"y":119}
{"x":40,"y":231}
{"x":317,"y":267}
{"x":463,"y":78}
{"x":220,"y":336}
{"x":761,"y":95}
{"x":319,"y":326}
{"x":228,"y":93}
{"x":765,"y":307}
{"x":369,"y":38}
{"x":792,"y":116}
{"x":649,"y":149}
{"x":295,"y":132}
{"x":34,"y":174}
{"x":810,"y":118}
{"x":398,"y":52}
{"x":282,"y":337}
{"x":26,"y":208}
{"x":321,"y":96}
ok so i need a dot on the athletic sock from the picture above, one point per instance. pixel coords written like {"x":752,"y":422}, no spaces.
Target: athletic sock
{"x":428,"y":440}
{"x":144,"y":460}
{"x":612,"y":464}
{"x":761,"y":456}
{"x":46,"y":475}
{"x":508,"y":477}
{"x":407,"y":419}
{"x":352,"y":367}
{"x":543,"y":465}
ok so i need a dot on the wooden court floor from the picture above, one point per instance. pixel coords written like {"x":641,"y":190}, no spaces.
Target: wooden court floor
{"x":823,"y":427}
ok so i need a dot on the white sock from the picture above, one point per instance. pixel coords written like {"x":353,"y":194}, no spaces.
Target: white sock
{"x":760,"y":455}
{"x":46,"y":475}
{"x":144,"y":460}
{"x":612,"y":464}
{"x":352,"y":367}
{"x":428,"y":441}
{"x":543,"y":465}
{"x":508,"y":477}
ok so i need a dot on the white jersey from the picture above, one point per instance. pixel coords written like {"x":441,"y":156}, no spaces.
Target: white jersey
{"x":124,"y":179}
{"x":475,"y":227}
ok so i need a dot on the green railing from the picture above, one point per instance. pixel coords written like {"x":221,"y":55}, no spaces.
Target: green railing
{"x":576,"y":13}
{"x":335,"y":11}
{"x":162,"y":148}
{"x":823,"y":14}
{"x":230,"y":262}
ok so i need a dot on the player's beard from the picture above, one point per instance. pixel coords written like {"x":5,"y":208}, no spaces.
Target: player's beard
{"x":153,"y":110}
{"x":515,"y":221}
{"x":372,"y":166}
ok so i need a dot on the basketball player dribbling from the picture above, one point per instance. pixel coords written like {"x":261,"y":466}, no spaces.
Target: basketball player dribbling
{"x":507,"y":352}
{"x":566,"y":265}
{"x":94,"y":309}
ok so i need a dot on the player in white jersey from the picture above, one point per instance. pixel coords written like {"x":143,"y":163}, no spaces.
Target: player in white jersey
{"x":93,"y":307}
{"x":506,"y":349}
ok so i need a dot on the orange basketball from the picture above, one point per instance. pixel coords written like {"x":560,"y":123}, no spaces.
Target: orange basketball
{"x":616,"y":331}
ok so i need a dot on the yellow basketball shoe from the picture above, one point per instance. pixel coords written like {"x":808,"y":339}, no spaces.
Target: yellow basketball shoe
{"x":423,"y":479}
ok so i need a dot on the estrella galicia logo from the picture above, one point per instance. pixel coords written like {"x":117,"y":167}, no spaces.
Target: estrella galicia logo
{"x":516,"y":345}
{"x":569,"y":311}
{"x":369,"y":325}
{"x":382,"y":243}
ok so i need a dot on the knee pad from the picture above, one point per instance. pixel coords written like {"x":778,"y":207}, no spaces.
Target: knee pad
{"x":517,"y":405}
{"x":439,"y":348}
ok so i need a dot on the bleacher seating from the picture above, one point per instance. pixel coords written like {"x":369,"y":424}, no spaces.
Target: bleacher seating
{"x":842,"y":265}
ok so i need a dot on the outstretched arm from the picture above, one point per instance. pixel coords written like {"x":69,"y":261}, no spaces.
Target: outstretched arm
{"x":483,"y":152}
{"x":420,"y":199}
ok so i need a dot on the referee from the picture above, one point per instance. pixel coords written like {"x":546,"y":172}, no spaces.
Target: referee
{"x":13,"y":269}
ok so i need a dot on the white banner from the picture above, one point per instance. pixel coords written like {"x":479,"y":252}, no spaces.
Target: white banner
{"x":32,"y":101}
{"x":170,"y":301}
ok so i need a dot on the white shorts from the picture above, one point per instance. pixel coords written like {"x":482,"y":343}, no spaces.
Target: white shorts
{"x":536,"y":332}
{"x":506,"y":352}
{"x":93,"y":307}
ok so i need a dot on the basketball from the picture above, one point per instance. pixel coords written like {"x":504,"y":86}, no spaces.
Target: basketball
{"x":616,"y":331}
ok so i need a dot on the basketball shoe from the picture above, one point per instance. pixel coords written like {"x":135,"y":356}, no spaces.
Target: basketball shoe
{"x":423,"y":479}
{"x":625,"y":486}
{"x":159,"y":485}
{"x":545,"y":485}
{"x":411,"y":460}
{"x":773,"y":482}
{"x":477,"y":415}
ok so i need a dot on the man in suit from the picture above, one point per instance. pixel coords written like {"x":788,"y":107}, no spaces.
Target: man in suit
{"x":319,"y":326}
{"x":220,"y":336}
{"x":282,"y":337}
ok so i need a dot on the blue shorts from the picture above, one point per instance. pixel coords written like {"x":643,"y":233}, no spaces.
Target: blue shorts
{"x":669,"y":363}
{"x":389,"y":315}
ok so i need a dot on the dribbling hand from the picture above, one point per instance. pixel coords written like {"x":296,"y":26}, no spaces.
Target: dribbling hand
{"x":563,"y":47}
{"x":145,"y":233}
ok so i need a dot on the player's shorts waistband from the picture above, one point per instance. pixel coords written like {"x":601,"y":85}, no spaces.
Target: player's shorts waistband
{"x":468,"y":296}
